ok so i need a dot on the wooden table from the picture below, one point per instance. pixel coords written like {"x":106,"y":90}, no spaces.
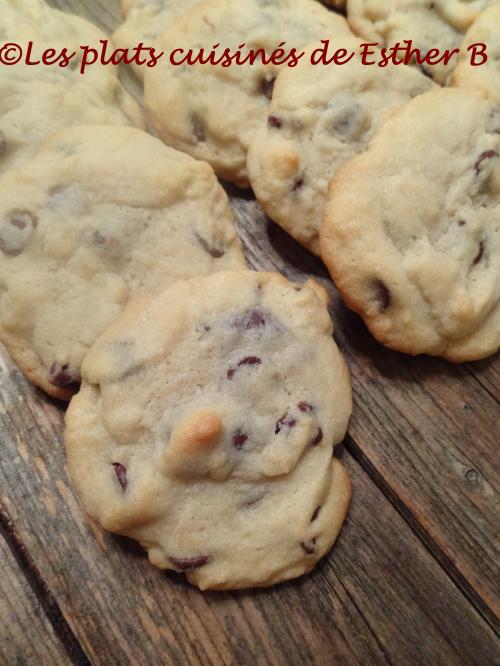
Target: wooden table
{"x":413,"y":578}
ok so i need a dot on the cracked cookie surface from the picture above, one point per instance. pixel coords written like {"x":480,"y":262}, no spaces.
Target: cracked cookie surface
{"x":212,"y":112}
{"x":205,"y":424}
{"x":486,"y":77}
{"x":438,"y":24}
{"x":100,"y":215}
{"x":411,"y":231}
{"x":36,"y":101}
{"x":320,"y":117}
{"x":145,"y":20}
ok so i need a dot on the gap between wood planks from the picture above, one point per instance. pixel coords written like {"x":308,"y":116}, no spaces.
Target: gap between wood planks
{"x":42,"y":592}
{"x":424,"y":537}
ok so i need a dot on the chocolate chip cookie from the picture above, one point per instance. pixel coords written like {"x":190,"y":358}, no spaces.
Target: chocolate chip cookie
{"x":212,"y":112}
{"x":320,"y":117}
{"x":486,"y":76}
{"x":100,"y":215}
{"x":411,"y":232}
{"x":440,"y":24}
{"x":40,"y":99}
{"x":204,"y":429}
{"x":145,"y":20}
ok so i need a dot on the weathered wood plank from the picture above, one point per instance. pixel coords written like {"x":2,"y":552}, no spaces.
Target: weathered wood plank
{"x":380,"y":598}
{"x":26,"y":635}
{"x":429,"y":429}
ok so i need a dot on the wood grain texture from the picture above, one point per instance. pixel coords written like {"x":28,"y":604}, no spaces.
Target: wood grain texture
{"x":26,"y":635}
{"x":413,"y":578}
{"x":379,"y":598}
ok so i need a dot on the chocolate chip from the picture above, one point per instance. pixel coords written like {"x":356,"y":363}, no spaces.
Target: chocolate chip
{"x":267,"y":85}
{"x":239,"y":438}
{"x":121,"y":474}
{"x":254,"y":319}
{"x":317,"y":438}
{"x":382,"y":294}
{"x":188,"y":563}
{"x":297,"y":184}
{"x":305,"y":407}
{"x":461,"y":223}
{"x":63,"y":377}
{"x":315,"y":514}
{"x":285,"y":421}
{"x":248,"y":360}
{"x":16,"y":229}
{"x":3,"y":144}
{"x":274,"y":121}
{"x":212,"y":251}
{"x":309,"y":547}
{"x":198,"y":128}
{"x":479,"y":254}
{"x":486,"y":155}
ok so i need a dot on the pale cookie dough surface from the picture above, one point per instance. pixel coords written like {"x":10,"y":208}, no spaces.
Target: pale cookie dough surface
{"x":320,"y":117}
{"x":145,"y":20}
{"x":204,"y":429}
{"x":212,"y":112}
{"x":38,"y":100}
{"x":486,"y":77}
{"x":100,"y":215}
{"x":411,"y":232}
{"x":440,"y":24}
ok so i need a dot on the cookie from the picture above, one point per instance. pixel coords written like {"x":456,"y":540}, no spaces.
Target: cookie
{"x":411,"y":228}
{"x":212,"y":112}
{"x":440,"y":25}
{"x":486,"y":77}
{"x":100,"y":215}
{"x":204,"y":429}
{"x":320,"y":117}
{"x":38,"y":100}
{"x":145,"y":20}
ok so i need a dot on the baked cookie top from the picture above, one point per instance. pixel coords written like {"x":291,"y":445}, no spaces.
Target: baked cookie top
{"x":486,"y":77}
{"x":212,"y":112}
{"x":440,"y":24}
{"x":38,"y":100}
{"x":411,"y":228}
{"x":145,"y":20}
{"x":99,"y":215}
{"x":320,"y":117}
{"x":205,"y":424}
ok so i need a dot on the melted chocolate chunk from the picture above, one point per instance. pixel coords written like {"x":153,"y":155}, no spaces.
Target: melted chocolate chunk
{"x":121,"y":474}
{"x":16,"y":229}
{"x":297,"y":184}
{"x":63,"y":377}
{"x":188,"y":563}
{"x":267,"y":86}
{"x":286,"y":421}
{"x":461,"y":223}
{"x":305,"y":407}
{"x":254,"y":319}
{"x":486,"y":155}
{"x":382,"y":294}
{"x":309,"y":547}
{"x":274,"y":121}
{"x":315,"y":514}
{"x":212,"y":251}
{"x":198,"y":128}
{"x":479,"y":254}
{"x":317,"y":438}
{"x":239,"y":438}
{"x":248,"y":360}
